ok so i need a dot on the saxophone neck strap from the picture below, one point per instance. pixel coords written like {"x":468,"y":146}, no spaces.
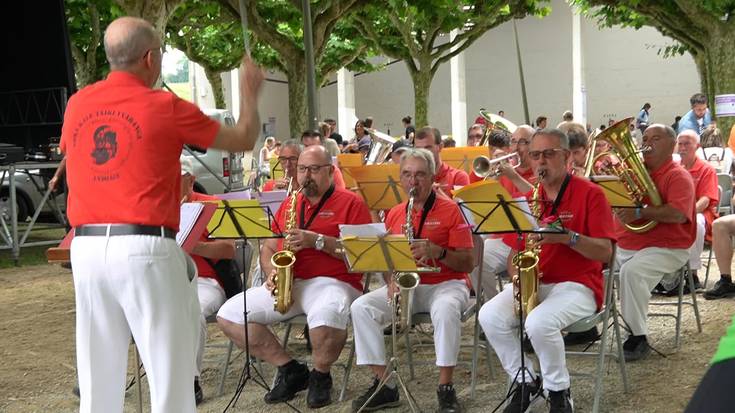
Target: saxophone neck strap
{"x":559,"y":196}
{"x":427,"y":207}
{"x":318,"y":208}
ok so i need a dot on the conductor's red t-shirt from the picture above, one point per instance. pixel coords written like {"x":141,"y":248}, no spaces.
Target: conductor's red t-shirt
{"x":122,"y":142}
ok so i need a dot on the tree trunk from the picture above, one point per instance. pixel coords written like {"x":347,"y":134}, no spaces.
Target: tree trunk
{"x":215,"y":80}
{"x":719,"y":56}
{"x":421,"y":88}
{"x":297,"y":100}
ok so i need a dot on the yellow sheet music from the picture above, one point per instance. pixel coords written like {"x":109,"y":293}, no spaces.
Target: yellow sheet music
{"x":462,"y":157}
{"x":614,"y":190}
{"x":479,"y":204}
{"x":250,"y":217}
{"x":379,"y":185}
{"x":346,"y":161}
{"x":365,"y":254}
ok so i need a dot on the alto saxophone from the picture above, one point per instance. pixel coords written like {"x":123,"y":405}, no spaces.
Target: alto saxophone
{"x":284,"y":260}
{"x":406,"y":281}
{"x":525,"y":283}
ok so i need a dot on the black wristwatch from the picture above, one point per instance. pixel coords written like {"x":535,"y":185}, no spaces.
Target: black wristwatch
{"x":443,"y":254}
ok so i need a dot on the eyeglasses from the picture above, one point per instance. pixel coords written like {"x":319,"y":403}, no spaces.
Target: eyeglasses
{"x":519,"y":142}
{"x":547,"y":153}
{"x":311,"y":168}
{"x":284,"y":159}
{"x":476,"y":136}
{"x":418,"y":176}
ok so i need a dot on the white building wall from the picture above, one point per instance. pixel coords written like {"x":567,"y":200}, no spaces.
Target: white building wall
{"x":621,"y":70}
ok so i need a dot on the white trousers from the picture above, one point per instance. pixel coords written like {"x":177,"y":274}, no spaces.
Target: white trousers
{"x":325,"y":301}
{"x":561,"y":305}
{"x":211,"y":298}
{"x":134,"y":284}
{"x":494,"y":260}
{"x":695,"y":251}
{"x":445,"y":301}
{"x":640,"y":271}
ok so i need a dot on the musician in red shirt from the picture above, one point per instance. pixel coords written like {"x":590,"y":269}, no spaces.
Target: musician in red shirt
{"x":288,"y":157}
{"x":322,"y":290}
{"x":571,"y":263}
{"x":122,"y":140}
{"x":647,"y":258}
{"x":445,"y":239}
{"x":446,"y":177}
{"x":706,"y":194}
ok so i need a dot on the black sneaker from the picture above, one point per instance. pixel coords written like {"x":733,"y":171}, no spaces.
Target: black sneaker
{"x":723,"y":288}
{"x":521,"y":400}
{"x":589,"y":336}
{"x":636,"y":348}
{"x":320,"y":389}
{"x":447,"y":398}
{"x":385,"y":398}
{"x":561,"y":402}
{"x":292,"y":378}
{"x":198,"y":393}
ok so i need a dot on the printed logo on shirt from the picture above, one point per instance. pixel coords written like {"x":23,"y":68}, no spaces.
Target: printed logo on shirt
{"x":566,"y":216}
{"x":431,"y":223}
{"x":105,"y":144}
{"x":326,"y":214}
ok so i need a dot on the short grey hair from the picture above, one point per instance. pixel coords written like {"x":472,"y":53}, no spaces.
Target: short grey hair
{"x":127,"y":39}
{"x":558,"y":133}
{"x":292,"y":143}
{"x":420,"y":153}
{"x":690,"y":133}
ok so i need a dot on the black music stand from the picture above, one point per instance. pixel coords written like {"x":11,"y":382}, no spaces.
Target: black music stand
{"x":244,"y":220}
{"x":493,"y":211}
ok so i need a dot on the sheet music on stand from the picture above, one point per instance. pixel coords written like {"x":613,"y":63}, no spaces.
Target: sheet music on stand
{"x":379,"y":185}
{"x":614,"y":190}
{"x":188,"y":216}
{"x":370,"y":248}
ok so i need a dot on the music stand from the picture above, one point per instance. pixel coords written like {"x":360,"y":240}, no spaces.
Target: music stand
{"x":244,"y":220}
{"x":489,"y":209}
{"x":614,"y":190}
{"x":346,"y":162}
{"x":379,"y":185}
{"x":384,"y":253}
{"x":463,"y":157}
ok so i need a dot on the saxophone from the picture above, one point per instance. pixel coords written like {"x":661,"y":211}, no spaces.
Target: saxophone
{"x":284,"y":260}
{"x":406,"y":281}
{"x":525,"y":283}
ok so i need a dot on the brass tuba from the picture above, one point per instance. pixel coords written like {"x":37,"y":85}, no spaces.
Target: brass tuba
{"x":284,"y":260}
{"x":381,"y":147}
{"x":525,"y":283}
{"x":630,"y":170}
{"x":493,"y":121}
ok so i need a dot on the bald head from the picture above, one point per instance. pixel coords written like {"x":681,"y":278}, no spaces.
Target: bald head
{"x":127,"y":40}
{"x":317,"y":153}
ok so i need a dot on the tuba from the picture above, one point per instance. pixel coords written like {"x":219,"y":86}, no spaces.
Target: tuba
{"x":380,"y":149}
{"x":284,"y":260}
{"x":493,"y":121}
{"x":525,"y":283}
{"x":406,"y":281}
{"x":630,"y":170}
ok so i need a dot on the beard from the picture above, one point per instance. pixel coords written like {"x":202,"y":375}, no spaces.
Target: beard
{"x":310,"y":188}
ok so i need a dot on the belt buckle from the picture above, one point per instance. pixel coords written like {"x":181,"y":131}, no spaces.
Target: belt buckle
{"x":107,"y":230}
{"x":163,"y":231}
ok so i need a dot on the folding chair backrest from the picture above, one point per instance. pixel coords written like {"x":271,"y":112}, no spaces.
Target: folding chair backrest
{"x":725,"y":182}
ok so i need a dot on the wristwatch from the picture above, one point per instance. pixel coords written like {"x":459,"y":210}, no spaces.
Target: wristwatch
{"x":573,"y":239}
{"x":319,"y":243}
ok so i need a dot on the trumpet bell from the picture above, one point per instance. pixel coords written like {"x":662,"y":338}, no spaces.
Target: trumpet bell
{"x":493,"y":121}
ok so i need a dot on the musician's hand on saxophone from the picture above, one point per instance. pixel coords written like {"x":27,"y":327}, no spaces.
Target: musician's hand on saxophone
{"x":550,"y":238}
{"x":269,"y":284}
{"x":281,"y":184}
{"x":392,"y":289}
{"x":424,"y":251}
{"x":299,"y":239}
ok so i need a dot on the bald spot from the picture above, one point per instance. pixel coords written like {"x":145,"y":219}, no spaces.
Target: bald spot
{"x":126,"y":40}
{"x":662,"y":130}
{"x":318,"y":153}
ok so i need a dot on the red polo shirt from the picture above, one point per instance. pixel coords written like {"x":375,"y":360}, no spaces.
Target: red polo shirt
{"x":204,"y":270}
{"x":704,"y":176}
{"x":526,"y":174}
{"x":444,"y":226}
{"x":583,"y":209}
{"x":448,"y":177}
{"x":122,"y":142}
{"x":676,"y":188}
{"x":343,"y":207}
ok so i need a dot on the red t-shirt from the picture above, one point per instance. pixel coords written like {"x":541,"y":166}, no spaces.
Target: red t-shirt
{"x":676,"y":188}
{"x":448,"y":177}
{"x":203,"y":268}
{"x":343,"y":207}
{"x":583,"y":209}
{"x":704,"y":176}
{"x":122,"y":142}
{"x":444,"y":226}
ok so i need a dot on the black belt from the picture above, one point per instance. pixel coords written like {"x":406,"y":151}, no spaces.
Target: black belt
{"x":123,"y":229}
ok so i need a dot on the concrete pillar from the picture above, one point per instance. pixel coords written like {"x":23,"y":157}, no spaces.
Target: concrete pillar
{"x":459,"y":97}
{"x":579,"y":106}
{"x":346,"y":117}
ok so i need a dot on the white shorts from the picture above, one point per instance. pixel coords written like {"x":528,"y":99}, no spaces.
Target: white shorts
{"x":325,"y":301}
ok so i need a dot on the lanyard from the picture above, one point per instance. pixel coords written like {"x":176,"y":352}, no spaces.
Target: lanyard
{"x":319,"y":206}
{"x":427,"y":207}
{"x":557,"y":201}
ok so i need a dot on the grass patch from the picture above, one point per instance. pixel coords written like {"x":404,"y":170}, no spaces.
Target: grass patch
{"x":33,"y":255}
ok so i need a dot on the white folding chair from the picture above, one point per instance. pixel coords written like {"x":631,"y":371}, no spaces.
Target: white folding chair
{"x":684,"y":275}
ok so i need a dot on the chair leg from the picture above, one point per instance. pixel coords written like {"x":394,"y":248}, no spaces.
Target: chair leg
{"x":694,"y":300}
{"x":409,"y":354}
{"x":621,"y":356}
{"x":601,"y":363}
{"x":348,"y":369}
{"x":682,"y":281}
{"x":709,"y":262}
{"x":139,"y":385}
{"x":225,"y":367}
{"x":475,"y":344}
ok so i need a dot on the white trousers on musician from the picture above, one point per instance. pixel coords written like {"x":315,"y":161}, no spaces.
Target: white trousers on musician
{"x":695,"y":251}
{"x":211,"y":298}
{"x":494,"y":260}
{"x":640,"y":271}
{"x":324,"y":300}
{"x":561,"y":305}
{"x":445,"y":301}
{"x":134,"y":284}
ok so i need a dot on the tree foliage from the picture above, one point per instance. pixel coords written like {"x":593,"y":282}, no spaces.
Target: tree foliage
{"x":703,"y":28}
{"x":417,"y":31}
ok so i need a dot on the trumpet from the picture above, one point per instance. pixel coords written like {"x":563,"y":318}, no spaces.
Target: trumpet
{"x":485,"y":167}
